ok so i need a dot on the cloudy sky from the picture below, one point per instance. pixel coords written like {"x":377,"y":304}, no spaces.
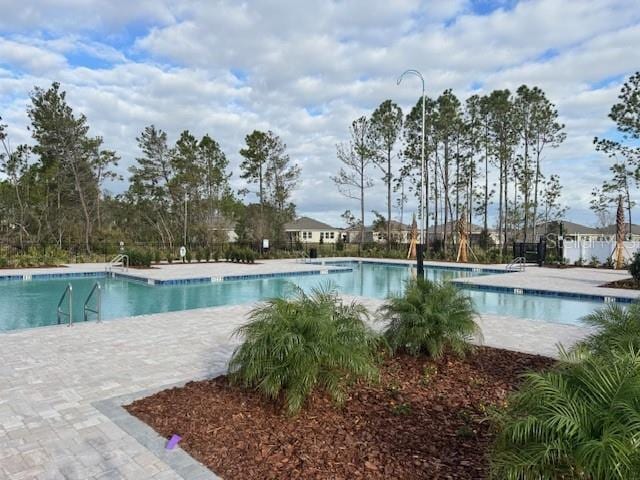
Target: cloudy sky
{"x":305,"y":69}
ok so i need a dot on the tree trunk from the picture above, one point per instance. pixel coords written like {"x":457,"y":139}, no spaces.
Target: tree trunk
{"x":388,"y":199}
{"x":535,"y":195}
{"x":361,"y":204}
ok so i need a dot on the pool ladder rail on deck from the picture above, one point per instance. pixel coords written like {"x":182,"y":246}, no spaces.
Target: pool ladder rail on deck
{"x":304,"y":257}
{"x":68,"y":294}
{"x":518,"y":264}
{"x":121,"y":260}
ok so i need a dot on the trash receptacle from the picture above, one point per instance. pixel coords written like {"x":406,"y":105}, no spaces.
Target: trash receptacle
{"x":313,"y":253}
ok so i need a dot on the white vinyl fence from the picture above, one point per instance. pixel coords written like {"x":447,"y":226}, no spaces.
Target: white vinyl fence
{"x":587,"y":250}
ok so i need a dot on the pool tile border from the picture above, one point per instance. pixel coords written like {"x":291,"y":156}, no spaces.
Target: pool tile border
{"x":177,"y":281}
{"x":406,"y":264}
{"x":543,"y":293}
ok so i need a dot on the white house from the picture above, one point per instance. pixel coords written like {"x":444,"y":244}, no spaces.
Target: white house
{"x":400,"y":233}
{"x":309,"y":230}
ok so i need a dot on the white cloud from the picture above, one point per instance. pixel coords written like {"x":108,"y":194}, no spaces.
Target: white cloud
{"x":170,"y":63}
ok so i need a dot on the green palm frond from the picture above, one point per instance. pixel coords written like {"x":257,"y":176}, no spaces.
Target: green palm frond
{"x":617,"y":328}
{"x":578,"y":421}
{"x":428,"y":318}
{"x":292,"y":346}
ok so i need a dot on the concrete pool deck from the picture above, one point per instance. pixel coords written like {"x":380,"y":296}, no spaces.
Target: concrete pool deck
{"x":54,"y":381}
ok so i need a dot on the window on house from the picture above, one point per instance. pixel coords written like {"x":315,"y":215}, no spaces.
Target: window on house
{"x":333,"y":235}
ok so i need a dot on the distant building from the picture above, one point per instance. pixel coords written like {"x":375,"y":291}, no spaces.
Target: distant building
{"x":400,"y":233}
{"x":569,"y":230}
{"x":632,"y":233}
{"x":223,"y":229}
{"x":576,"y":231}
{"x":309,"y":230}
{"x":352,"y":234}
{"x":475,"y":232}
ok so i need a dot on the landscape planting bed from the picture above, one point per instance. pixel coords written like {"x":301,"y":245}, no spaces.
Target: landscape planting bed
{"x":425,"y":419}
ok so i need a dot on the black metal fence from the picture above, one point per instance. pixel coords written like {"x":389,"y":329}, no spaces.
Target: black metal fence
{"x":104,"y":251}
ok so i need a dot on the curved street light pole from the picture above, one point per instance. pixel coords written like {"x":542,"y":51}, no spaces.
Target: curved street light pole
{"x":424,"y":206}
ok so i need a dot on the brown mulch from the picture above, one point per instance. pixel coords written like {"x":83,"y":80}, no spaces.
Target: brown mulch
{"x":627,"y":284}
{"x":425,"y":419}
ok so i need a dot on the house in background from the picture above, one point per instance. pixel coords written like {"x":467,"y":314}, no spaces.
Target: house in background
{"x":352,"y":234}
{"x":577,"y":232}
{"x":475,"y":232}
{"x":632,"y":233}
{"x":309,"y":230}
{"x":223,"y":230}
{"x":400,"y":233}
{"x":569,"y":231}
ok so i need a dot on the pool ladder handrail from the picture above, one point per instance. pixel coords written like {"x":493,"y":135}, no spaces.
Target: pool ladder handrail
{"x":122,"y":259}
{"x":87,"y":309}
{"x":68,"y":293}
{"x":304,"y":256}
{"x":518,"y":264}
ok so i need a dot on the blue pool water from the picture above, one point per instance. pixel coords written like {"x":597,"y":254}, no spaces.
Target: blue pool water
{"x":33,"y":303}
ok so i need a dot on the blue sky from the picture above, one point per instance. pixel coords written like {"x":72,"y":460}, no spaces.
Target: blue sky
{"x":306,"y":69}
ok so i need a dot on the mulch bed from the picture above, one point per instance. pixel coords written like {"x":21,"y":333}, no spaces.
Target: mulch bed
{"x":425,"y":419}
{"x":627,"y":283}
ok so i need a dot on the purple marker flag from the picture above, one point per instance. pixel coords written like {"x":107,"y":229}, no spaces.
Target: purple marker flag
{"x":173,"y":441}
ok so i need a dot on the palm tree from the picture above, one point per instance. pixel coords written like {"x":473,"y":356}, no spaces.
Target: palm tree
{"x":578,"y":421}
{"x":430,"y":317}
{"x":617,"y":328}
{"x":293,"y":346}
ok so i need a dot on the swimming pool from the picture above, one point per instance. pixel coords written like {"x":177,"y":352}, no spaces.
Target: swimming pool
{"x":25,"y":304}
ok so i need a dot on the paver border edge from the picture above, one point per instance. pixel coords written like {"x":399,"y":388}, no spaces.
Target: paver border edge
{"x":177,"y":459}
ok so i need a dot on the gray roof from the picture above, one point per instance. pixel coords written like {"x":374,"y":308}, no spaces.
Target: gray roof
{"x":307,"y":223}
{"x":611,"y":229}
{"x":395,"y":225}
{"x":473,"y":227}
{"x":568,"y":228}
{"x":356,"y":228}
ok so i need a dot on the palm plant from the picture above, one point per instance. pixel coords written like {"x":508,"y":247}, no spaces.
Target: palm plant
{"x":578,"y":421}
{"x":616,"y":329}
{"x":293,"y":346}
{"x":429,"y":317}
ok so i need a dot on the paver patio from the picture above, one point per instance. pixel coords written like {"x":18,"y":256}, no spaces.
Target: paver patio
{"x":52,"y":377}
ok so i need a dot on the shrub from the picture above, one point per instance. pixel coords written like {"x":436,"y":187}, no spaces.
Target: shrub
{"x":188,"y":256}
{"x":617,"y":330}
{"x":139,"y":257}
{"x":292,"y":346}
{"x":4,"y":262}
{"x":250,"y":256}
{"x":198,"y":255}
{"x":578,"y":421}
{"x":157,"y":258}
{"x":429,"y":317}
{"x":216,"y":255}
{"x":207,"y":254}
{"x":634,"y":267}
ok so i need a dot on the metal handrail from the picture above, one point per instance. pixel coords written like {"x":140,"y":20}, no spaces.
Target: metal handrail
{"x":68,"y":292}
{"x":87,"y":308}
{"x":519,"y":261}
{"x":304,"y":256}
{"x":120,"y":258}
